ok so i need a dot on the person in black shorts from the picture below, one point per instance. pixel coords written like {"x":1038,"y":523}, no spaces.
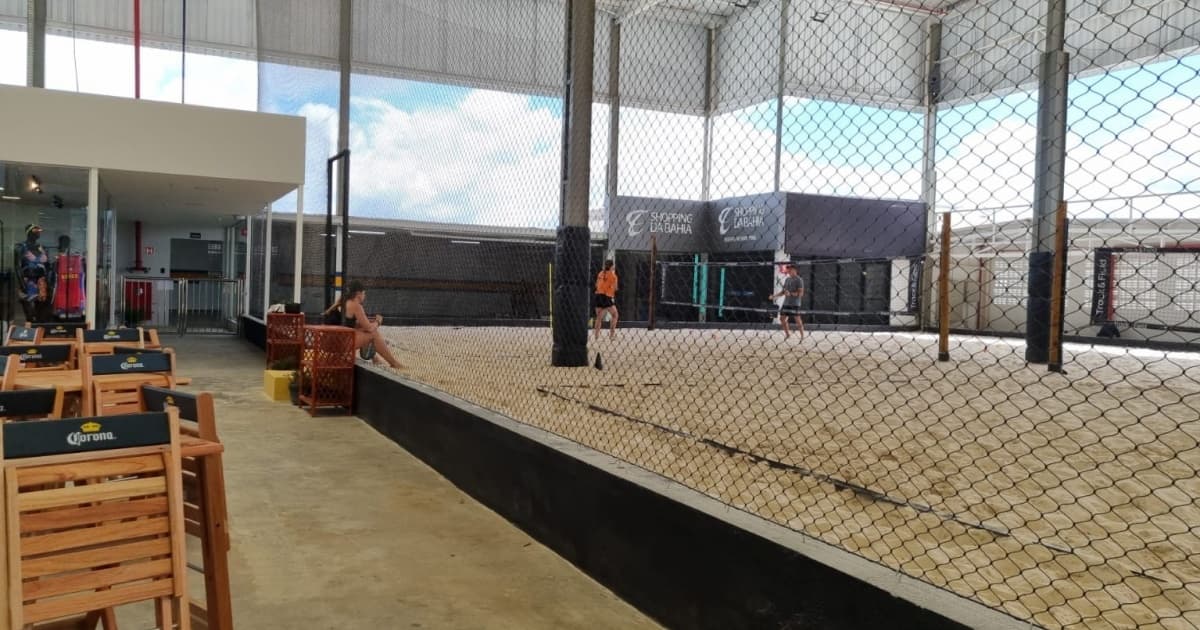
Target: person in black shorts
{"x":793,"y":290}
{"x":604,"y":299}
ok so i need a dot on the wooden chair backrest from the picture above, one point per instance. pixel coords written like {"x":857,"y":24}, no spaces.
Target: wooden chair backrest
{"x":22,"y":335}
{"x":42,"y":357}
{"x":102,"y":341}
{"x":112,"y":383}
{"x":31,"y":404}
{"x":10,"y":365}
{"x":59,"y":333}
{"x":197,"y":413}
{"x":93,"y":528}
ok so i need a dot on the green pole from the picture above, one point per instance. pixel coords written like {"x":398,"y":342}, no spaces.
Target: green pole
{"x":721,"y":296}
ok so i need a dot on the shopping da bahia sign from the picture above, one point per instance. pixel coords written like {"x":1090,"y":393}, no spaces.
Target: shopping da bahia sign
{"x":673,"y":224}
{"x":677,"y":225}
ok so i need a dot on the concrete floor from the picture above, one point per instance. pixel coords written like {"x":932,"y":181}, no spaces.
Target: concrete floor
{"x":333,"y":526}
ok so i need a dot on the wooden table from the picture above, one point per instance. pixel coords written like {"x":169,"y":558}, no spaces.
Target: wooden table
{"x":71,"y":381}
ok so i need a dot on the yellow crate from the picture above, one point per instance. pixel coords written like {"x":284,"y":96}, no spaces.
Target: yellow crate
{"x":275,"y":384}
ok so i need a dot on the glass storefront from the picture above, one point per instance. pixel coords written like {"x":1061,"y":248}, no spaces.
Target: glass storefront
{"x":43,"y":229}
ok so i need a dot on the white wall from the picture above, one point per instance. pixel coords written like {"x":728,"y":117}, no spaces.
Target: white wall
{"x":159,"y":237}
{"x":70,"y":129}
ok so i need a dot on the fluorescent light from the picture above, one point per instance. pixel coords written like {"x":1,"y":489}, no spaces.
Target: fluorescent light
{"x":465,"y":242}
{"x":370,"y":232}
{"x":10,"y":198}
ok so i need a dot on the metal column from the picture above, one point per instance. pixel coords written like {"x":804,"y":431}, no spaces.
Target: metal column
{"x":572,"y":252}
{"x":93,"y":244}
{"x":614,"y":112}
{"x":709,"y":86}
{"x":298,"y":265}
{"x":933,"y":89}
{"x":266,"y":296}
{"x":249,"y":269}
{"x":35,"y":58}
{"x":1048,"y":181}
{"x":783,"y":46}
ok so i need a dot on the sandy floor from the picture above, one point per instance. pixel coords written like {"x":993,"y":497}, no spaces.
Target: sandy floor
{"x":1068,"y":500}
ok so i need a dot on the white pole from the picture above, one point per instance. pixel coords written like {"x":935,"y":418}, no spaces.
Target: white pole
{"x":266,"y":296}
{"x":298,"y":265}
{"x":93,"y":237}
{"x":246,"y":275}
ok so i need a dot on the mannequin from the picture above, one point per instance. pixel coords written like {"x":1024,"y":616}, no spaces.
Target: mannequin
{"x":34,"y":289}
{"x":68,"y":280}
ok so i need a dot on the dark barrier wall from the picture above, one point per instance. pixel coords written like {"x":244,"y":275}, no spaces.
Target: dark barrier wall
{"x":254,"y":332}
{"x":801,"y":225}
{"x":684,"y":567}
{"x":842,"y":227}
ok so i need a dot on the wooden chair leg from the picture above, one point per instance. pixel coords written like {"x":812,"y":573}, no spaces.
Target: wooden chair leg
{"x":215,"y":542}
{"x":163,"y":615}
{"x":106,"y":618}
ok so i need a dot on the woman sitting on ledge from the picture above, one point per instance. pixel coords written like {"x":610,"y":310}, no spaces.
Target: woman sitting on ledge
{"x":366,"y":329}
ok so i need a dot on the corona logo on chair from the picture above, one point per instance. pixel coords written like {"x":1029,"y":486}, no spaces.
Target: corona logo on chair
{"x":32,"y":353}
{"x":170,"y":400}
{"x":111,"y":334}
{"x":89,"y":432}
{"x":132,"y":362}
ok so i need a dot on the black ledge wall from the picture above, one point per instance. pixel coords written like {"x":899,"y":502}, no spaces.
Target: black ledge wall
{"x":678,"y":564}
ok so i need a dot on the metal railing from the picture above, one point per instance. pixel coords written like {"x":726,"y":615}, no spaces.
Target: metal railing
{"x":182,"y":305}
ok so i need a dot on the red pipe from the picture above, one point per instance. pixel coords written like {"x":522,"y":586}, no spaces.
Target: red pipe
{"x":137,"y":63}
{"x":137,"y":244}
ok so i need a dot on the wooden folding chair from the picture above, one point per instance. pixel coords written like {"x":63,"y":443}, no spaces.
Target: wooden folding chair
{"x":60,"y":333}
{"x":112,"y":383}
{"x":87,"y":528}
{"x":150,"y":339}
{"x":22,"y":335}
{"x":102,"y":341}
{"x":43,"y":357}
{"x":31,"y":404}
{"x":205,"y":512}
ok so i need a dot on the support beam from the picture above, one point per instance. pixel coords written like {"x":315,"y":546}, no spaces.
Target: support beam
{"x":298,"y":264}
{"x":93,"y":244}
{"x":933,"y":89}
{"x":1048,"y":181}
{"x":266,"y":295}
{"x":35,"y":58}
{"x":614,"y":115}
{"x":345,"y":47}
{"x":779,"y":90}
{"x":249,"y":268}
{"x":709,"y":87}
{"x":572,"y":252}
{"x":638,"y":8}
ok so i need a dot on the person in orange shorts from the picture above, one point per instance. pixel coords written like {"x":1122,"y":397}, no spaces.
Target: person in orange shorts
{"x":606,"y":292}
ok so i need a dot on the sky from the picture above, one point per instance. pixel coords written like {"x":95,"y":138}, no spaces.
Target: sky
{"x":450,"y":153}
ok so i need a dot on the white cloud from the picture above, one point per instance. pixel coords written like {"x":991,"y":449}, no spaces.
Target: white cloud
{"x":994,"y":167}
{"x":493,"y":158}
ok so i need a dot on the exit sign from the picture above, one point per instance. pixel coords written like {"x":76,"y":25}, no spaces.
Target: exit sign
{"x":195,"y":235}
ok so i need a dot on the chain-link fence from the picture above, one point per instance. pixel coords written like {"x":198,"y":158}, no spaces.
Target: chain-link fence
{"x":796,"y":159}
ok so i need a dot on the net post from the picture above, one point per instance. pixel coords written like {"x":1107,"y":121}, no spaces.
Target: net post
{"x":653,"y":273}
{"x":1057,"y":292}
{"x":944,"y":292}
